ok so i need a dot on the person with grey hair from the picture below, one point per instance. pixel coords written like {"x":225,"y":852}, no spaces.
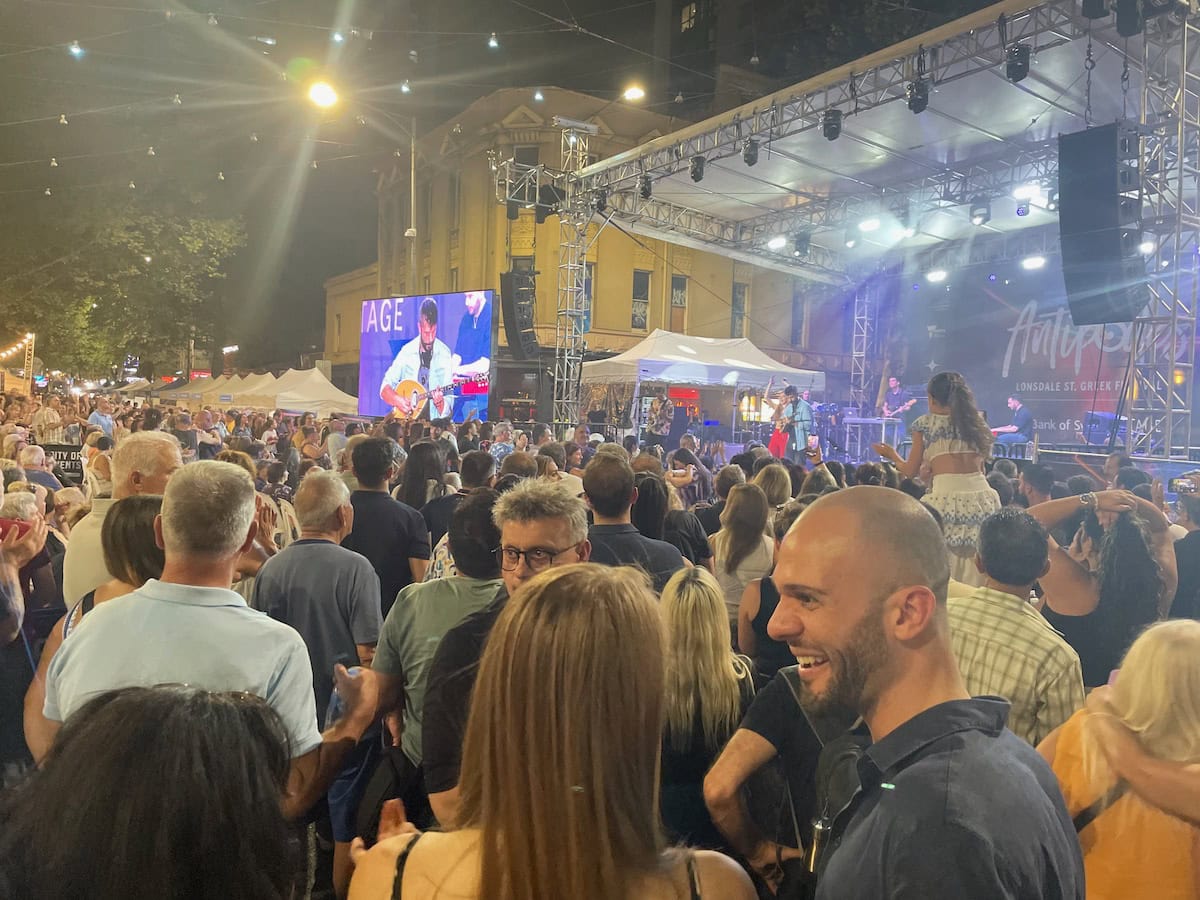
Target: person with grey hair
{"x":37,"y":470}
{"x":142,"y":464}
{"x":541,"y":526}
{"x":502,"y":441}
{"x":188,"y":627}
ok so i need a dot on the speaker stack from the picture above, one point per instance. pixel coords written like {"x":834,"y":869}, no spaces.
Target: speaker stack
{"x":518,"y":291}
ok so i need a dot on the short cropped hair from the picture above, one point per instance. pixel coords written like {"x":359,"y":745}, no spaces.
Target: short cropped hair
{"x":318,"y":499}
{"x":476,"y":468}
{"x":207,"y":509}
{"x":535,"y":500}
{"x":473,"y":535}
{"x":519,"y":463}
{"x":372,"y":458}
{"x":1012,"y":547}
{"x":727,"y":478}
{"x":142,"y":451}
{"x":556,"y":452}
{"x":1039,"y":477}
{"x":608,"y":484}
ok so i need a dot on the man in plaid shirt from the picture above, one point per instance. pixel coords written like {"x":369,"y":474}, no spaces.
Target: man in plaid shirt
{"x":1003,"y":645}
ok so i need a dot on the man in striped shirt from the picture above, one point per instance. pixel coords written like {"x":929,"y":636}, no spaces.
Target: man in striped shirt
{"x":1003,"y":645}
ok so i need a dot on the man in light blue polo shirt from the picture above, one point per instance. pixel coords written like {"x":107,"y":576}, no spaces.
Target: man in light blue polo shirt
{"x":189,"y":627}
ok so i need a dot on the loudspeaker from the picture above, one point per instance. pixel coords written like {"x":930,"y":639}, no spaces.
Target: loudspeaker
{"x":1100,"y":224}
{"x":517,"y":296}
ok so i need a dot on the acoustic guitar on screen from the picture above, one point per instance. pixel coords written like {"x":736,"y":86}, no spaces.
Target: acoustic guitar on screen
{"x":418,"y":395}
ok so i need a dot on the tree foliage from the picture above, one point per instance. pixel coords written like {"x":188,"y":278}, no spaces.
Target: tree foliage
{"x":128,"y":275}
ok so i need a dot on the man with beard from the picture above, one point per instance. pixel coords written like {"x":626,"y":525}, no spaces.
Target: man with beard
{"x":950,"y":803}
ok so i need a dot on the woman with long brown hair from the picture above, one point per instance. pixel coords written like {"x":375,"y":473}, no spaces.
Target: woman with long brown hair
{"x":742,"y":550}
{"x":955,"y":440}
{"x":559,"y":787}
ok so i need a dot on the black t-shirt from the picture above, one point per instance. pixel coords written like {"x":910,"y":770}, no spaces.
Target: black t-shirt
{"x":1099,"y":639}
{"x":624,"y":545}
{"x":388,"y":533}
{"x":15,"y":677}
{"x":1187,"y":596}
{"x":771,"y":655}
{"x":1023,"y":420}
{"x":474,"y":340}
{"x":448,"y":688}
{"x":684,"y":530}
{"x":437,"y":514}
{"x":710,"y":517}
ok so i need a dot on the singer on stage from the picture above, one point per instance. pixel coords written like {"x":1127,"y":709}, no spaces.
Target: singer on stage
{"x":794,"y":417}
{"x":897,"y":402}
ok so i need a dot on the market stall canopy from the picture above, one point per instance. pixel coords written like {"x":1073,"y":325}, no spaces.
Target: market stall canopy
{"x":257,"y":391}
{"x":184,"y":390}
{"x":214,"y":392}
{"x":133,"y":387}
{"x":311,"y":392}
{"x":671,"y":358}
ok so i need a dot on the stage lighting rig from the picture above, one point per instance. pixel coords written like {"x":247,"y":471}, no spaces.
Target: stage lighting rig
{"x":1016,"y":66}
{"x":645,"y":187}
{"x":801,"y":244}
{"x":917,"y":95}
{"x":831,"y":124}
{"x":696,"y":168}
{"x":777,"y":243}
{"x":981,"y":211}
{"x":750,"y":152}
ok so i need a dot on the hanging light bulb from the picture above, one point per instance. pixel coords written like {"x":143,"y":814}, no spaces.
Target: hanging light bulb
{"x":361,"y":120}
{"x":493,"y":43}
{"x":150,"y":151}
{"x":396,"y":153}
{"x":754,"y":59}
{"x":132,"y":186}
{"x":254,"y":137}
{"x":314,"y":163}
{"x":62,"y":119}
{"x":337,"y":37}
{"x":679,"y":97}
{"x":53,"y":163}
{"x":46,"y":192}
{"x":74,"y":49}
{"x":538,"y":95}
{"x":212,"y":19}
{"x":405,"y":87}
{"x":220,"y":176}
{"x":177,"y":100}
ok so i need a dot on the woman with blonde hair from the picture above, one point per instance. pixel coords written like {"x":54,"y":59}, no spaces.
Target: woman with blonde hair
{"x":708,"y":691}
{"x":559,"y":786}
{"x":776,"y":483}
{"x":1130,"y":848}
{"x":742,"y":550}
{"x":954,"y":440}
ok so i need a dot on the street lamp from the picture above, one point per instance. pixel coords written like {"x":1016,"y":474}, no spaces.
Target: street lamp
{"x":322,"y":94}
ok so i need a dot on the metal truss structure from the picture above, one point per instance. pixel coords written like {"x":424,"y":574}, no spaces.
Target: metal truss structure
{"x":865,"y":312}
{"x":574,"y":214}
{"x":1164,"y":350}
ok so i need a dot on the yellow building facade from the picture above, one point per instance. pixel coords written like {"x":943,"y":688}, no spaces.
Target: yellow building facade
{"x":465,"y":240}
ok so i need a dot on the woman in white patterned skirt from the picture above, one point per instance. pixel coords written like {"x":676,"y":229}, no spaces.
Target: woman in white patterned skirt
{"x":954,"y":440}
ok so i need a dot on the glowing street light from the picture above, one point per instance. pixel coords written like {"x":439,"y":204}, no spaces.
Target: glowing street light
{"x":634,"y":92}
{"x":322,"y":94}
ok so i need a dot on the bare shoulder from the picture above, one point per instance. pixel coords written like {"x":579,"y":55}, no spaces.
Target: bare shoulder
{"x":721,"y":877}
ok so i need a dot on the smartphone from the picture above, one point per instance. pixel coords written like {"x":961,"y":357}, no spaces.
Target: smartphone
{"x":6,"y":527}
{"x":1181,"y":486}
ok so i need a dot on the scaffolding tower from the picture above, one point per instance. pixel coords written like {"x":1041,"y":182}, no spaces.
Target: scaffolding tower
{"x":861,"y":346}
{"x":574,"y":213}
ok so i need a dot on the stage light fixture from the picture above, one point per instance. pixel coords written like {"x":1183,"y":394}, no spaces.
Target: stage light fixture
{"x":1130,"y":17}
{"x":936,"y":276}
{"x":493,"y":42}
{"x":1146,"y":248}
{"x":1016,"y":65}
{"x":1033,"y":263}
{"x":337,"y":37}
{"x":1023,"y":208}
{"x":801,"y":244}
{"x":322,"y":94}
{"x":907,"y":231}
{"x":1026,"y":191}
{"x":405,"y":87}
{"x":1052,"y":200}
{"x":777,"y":243}
{"x":831,"y":124}
{"x":750,"y":151}
{"x":1095,"y":9}
{"x":633,"y":93}
{"x":645,"y":187}
{"x":601,"y":201}
{"x":74,"y":49}
{"x":696,"y":168}
{"x":981,"y":211}
{"x":538,"y":96}
{"x":917,"y":94}
{"x":868,"y":225}
{"x":851,"y":240}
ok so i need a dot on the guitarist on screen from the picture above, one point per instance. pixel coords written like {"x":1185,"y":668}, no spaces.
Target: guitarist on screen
{"x":425,"y":360}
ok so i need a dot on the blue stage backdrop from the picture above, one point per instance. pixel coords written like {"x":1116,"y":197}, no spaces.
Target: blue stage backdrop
{"x":431,"y":352}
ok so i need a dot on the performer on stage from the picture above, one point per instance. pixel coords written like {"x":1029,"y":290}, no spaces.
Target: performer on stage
{"x":1021,"y":429}
{"x":471,"y":359}
{"x":795,"y":417}
{"x":659,"y":419}
{"x":896,"y":402}
{"x":425,"y":360}
{"x":954,"y":439}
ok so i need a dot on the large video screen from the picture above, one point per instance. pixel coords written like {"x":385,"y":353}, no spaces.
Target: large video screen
{"x":428,"y":356}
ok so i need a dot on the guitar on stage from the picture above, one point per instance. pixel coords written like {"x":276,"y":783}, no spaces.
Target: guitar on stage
{"x":416,"y":396}
{"x":889,"y":413}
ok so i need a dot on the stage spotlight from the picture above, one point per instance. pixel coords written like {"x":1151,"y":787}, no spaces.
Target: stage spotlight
{"x":869,"y":225}
{"x":1146,"y":248}
{"x":633,"y":92}
{"x":777,"y":243}
{"x":74,"y":49}
{"x":511,"y":210}
{"x":493,"y":42}
{"x":1023,"y":208}
{"x":405,"y":87}
{"x":851,"y":240}
{"x":917,"y":93}
{"x":1130,"y":17}
{"x":1052,"y":200}
{"x":981,"y":211}
{"x":696,"y":168}
{"x":750,"y":151}
{"x":1095,"y":9}
{"x":1033,"y":263}
{"x":831,"y":124}
{"x":601,"y":201}
{"x":538,"y":96}
{"x":992,"y":277}
{"x":801,"y":244}
{"x":936,"y":276}
{"x":645,"y":187}
{"x":1026,"y":191}
{"x":322,"y":94}
{"x":906,"y":231}
{"x":1016,"y":66}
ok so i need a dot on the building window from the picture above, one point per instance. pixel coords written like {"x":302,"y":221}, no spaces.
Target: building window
{"x":454,"y":279}
{"x":679,"y":289}
{"x":527,"y":155}
{"x":687,"y":18}
{"x":589,"y":291}
{"x":737,"y":319}
{"x":640,"y":315}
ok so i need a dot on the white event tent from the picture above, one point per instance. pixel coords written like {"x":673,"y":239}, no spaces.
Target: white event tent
{"x":310,"y":391}
{"x":671,"y":358}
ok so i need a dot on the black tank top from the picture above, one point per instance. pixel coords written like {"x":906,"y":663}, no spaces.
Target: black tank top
{"x":771,"y":655}
{"x":402,"y":861}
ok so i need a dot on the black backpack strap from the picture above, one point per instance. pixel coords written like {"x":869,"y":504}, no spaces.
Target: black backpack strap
{"x":1085,"y":817}
{"x":401,"y":862}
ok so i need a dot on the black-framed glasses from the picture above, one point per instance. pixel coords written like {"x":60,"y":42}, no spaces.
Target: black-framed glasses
{"x":537,"y":558}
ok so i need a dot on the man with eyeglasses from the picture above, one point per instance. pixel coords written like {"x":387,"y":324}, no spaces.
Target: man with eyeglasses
{"x":541,"y":526}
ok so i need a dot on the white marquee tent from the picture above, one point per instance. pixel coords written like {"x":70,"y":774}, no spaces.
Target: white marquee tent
{"x":310,"y":391}
{"x":671,"y":358}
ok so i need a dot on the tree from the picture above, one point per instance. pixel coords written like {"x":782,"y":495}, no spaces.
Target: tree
{"x":119,"y":275}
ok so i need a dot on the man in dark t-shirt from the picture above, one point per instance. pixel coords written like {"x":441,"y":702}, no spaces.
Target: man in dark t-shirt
{"x":1021,"y":429}
{"x":710,"y":516}
{"x":478,"y":469}
{"x":1186,"y":604}
{"x":390,"y":534}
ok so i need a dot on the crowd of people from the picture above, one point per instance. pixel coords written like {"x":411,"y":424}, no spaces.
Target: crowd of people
{"x":258,"y":656}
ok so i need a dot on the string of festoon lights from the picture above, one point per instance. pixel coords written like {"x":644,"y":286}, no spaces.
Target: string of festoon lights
{"x":17,"y":347}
